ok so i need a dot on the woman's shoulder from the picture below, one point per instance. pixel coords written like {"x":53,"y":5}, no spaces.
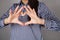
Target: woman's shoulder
{"x":41,"y":3}
{"x":16,"y":4}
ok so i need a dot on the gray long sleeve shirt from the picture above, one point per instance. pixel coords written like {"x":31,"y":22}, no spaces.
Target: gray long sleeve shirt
{"x":32,"y":32}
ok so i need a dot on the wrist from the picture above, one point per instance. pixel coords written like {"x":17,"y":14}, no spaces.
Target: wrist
{"x":41,"y":21}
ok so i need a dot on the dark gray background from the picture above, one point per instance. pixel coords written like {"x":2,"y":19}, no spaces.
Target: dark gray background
{"x":53,"y":5}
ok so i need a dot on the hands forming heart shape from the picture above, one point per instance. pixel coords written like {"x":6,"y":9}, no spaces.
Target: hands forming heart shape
{"x":13,"y":16}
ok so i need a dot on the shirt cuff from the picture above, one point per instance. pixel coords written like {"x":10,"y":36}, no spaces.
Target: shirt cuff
{"x":51,"y":25}
{"x":1,"y":23}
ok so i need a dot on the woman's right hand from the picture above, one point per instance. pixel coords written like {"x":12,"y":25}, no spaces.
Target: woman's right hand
{"x":13,"y":16}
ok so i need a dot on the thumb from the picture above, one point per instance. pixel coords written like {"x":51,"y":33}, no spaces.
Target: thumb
{"x":27,"y":23}
{"x":20,"y":23}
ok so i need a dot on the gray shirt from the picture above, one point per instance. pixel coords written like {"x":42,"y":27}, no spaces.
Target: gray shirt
{"x":33,"y":31}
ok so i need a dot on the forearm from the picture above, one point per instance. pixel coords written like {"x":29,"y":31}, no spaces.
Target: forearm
{"x":51,"y":22}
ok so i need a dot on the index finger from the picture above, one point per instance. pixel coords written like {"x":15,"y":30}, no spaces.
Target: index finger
{"x":19,"y":10}
{"x":16,"y":9}
{"x":29,"y":8}
{"x":26,"y":9}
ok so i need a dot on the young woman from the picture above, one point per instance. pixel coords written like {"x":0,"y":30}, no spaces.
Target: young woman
{"x":26,"y":19}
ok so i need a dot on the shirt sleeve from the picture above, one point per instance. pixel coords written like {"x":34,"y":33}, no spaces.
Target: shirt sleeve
{"x":5,"y":15}
{"x":51,"y":21}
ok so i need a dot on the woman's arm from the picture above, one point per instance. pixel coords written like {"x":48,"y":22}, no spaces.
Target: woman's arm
{"x":5,"y":15}
{"x":51,"y":21}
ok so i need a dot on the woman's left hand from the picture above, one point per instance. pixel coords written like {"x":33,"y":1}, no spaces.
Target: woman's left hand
{"x":34,"y":18}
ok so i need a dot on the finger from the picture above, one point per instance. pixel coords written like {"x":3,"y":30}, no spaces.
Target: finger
{"x":19,"y":11}
{"x":10,"y":12}
{"x":29,"y":8}
{"x":27,"y":11}
{"x":16,"y":9}
{"x":20,"y":23}
{"x":27,"y":23}
{"x":34,"y":11}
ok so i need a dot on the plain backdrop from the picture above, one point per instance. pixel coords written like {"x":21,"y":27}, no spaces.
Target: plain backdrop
{"x":53,"y":5}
